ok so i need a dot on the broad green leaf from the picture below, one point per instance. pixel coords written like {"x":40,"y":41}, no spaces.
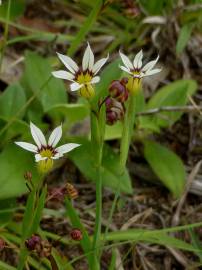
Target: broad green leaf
{"x":7,"y":208}
{"x":174,"y":94}
{"x":166,"y":165}
{"x":114,"y":132}
{"x":38,"y":76}
{"x":13,"y":164}
{"x":70,"y":112}
{"x":184,"y":36}
{"x":83,"y":159}
{"x":11,"y":101}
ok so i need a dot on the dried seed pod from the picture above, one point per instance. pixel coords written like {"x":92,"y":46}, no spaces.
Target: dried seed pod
{"x":45,"y":250}
{"x":2,"y":244}
{"x":28,"y":176}
{"x":71,"y":191}
{"x":118,"y":91}
{"x":33,"y":242}
{"x":76,"y":235}
{"x":41,"y":247}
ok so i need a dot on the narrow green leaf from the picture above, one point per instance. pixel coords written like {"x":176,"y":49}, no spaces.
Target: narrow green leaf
{"x":166,"y":165}
{"x":184,"y":36}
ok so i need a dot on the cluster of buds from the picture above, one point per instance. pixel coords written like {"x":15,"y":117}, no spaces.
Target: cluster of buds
{"x":118,"y":94}
{"x":37,"y":244}
{"x":60,"y":192}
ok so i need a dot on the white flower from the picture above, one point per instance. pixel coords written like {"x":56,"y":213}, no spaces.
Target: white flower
{"x":84,"y":76}
{"x":46,"y":152}
{"x":136,"y":69}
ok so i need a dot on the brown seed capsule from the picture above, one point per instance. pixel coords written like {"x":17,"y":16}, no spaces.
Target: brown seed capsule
{"x":2,"y":244}
{"x":76,"y":235}
{"x":71,"y":191}
{"x":33,"y":242}
{"x":41,"y":247}
{"x":28,"y":176}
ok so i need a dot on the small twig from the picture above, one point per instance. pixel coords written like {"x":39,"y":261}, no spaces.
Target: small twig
{"x":188,"y":108}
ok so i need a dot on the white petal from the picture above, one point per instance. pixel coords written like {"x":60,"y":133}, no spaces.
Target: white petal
{"x":61,"y":74}
{"x":137,"y":63}
{"x":126,"y":61}
{"x":88,"y":59}
{"x":75,"y":86}
{"x":56,"y":156}
{"x":99,"y":64}
{"x":37,"y":135}
{"x":150,"y":65}
{"x":125,"y":69}
{"x":38,"y":157}
{"x":66,"y":148}
{"x":151,"y":72}
{"x":55,"y":136}
{"x":68,"y":62}
{"x":96,"y":79}
{"x":28,"y":146}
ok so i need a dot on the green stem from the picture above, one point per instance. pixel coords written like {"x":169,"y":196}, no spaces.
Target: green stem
{"x":97,"y":139}
{"x":5,"y":33}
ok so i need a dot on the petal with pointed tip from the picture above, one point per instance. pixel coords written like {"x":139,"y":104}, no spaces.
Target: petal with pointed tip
{"x":75,"y":86}
{"x":98,"y":65}
{"x":125,"y":69}
{"x":150,"y":65}
{"x":126,"y":61}
{"x":88,"y":59}
{"x":151,"y":72}
{"x":28,"y":146}
{"x":66,"y":148}
{"x":68,"y":62}
{"x":137,"y":63}
{"x":61,"y":74}
{"x":96,"y":79}
{"x":55,"y":136}
{"x":37,"y":135}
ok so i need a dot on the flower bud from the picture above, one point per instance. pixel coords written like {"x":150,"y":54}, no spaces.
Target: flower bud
{"x":76,"y":235}
{"x":41,"y":247}
{"x":114,"y":111}
{"x":118,"y":90}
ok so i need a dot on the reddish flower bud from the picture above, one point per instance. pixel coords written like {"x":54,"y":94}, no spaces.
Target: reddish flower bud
{"x":76,"y":235}
{"x":114,"y":111}
{"x":2,"y":244}
{"x":41,"y":247}
{"x":33,"y":242}
{"x":118,"y":90}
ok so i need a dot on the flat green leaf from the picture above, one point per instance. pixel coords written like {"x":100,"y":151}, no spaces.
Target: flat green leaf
{"x":7,"y":208}
{"x":17,"y":8}
{"x":37,"y":72}
{"x":83,"y":159}
{"x":70,"y":112}
{"x":11,"y":101}
{"x":13,"y":164}
{"x":166,"y":165}
{"x":174,"y":94}
{"x":184,"y":36}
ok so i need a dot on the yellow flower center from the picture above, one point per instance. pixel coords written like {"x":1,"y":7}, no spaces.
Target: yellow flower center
{"x":46,"y":165}
{"x":134,"y":85}
{"x":84,"y":78}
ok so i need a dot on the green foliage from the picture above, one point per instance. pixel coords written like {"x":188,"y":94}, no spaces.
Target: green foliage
{"x":38,"y":80}
{"x":84,"y":161}
{"x":13,"y":164}
{"x":17,"y":8}
{"x":11,"y":101}
{"x":184,"y":36}
{"x":167,"y":166}
{"x":174,"y":94}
